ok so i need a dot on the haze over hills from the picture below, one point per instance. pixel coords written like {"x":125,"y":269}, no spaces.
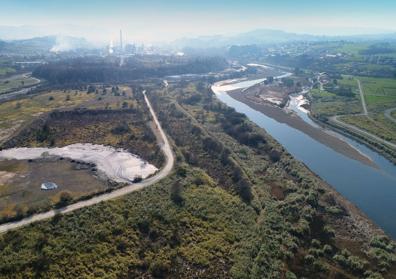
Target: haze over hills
{"x":28,"y":37}
{"x":269,"y":36}
{"x":44,"y":44}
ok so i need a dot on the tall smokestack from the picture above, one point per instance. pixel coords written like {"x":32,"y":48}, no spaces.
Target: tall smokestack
{"x":121,"y":46}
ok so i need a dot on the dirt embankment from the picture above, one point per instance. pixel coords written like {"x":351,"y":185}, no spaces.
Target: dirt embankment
{"x":318,"y":134}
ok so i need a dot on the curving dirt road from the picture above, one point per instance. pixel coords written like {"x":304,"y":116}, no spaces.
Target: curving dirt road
{"x":166,"y":149}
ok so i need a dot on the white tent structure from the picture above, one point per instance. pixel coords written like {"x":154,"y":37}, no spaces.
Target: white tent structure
{"x":48,"y":186}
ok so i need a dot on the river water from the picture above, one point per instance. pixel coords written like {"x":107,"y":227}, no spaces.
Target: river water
{"x":372,"y":190}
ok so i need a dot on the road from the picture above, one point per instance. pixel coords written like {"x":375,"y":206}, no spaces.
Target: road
{"x":365,"y":112}
{"x":338,"y":122}
{"x":335,"y":120}
{"x":388,"y":114}
{"x":166,"y":149}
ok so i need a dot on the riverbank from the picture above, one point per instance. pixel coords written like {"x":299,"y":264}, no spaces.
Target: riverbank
{"x":296,"y":122}
{"x":384,"y":150}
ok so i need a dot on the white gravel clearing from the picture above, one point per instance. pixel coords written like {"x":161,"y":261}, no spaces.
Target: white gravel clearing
{"x":118,"y":164}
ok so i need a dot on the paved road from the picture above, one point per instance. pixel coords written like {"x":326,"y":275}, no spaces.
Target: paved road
{"x":388,"y":114}
{"x":335,"y":120}
{"x":166,"y":149}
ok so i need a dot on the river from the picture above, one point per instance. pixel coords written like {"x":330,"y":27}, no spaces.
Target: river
{"x":373,"y":190}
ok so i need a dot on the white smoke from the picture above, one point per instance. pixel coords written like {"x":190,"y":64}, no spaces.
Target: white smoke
{"x":62,"y":44}
{"x":67,"y":43}
{"x":111,"y":47}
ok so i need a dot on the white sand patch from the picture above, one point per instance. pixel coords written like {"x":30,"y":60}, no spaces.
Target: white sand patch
{"x":272,"y":100}
{"x":301,"y":100}
{"x":118,"y":164}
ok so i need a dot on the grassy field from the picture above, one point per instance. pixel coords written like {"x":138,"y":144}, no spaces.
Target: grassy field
{"x":380,"y":93}
{"x":25,"y":109}
{"x":326,"y":104}
{"x":6,"y":70}
{"x":15,"y":83}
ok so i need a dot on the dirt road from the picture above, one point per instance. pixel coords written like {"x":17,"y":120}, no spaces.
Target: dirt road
{"x":166,"y":149}
{"x":364,"y":106}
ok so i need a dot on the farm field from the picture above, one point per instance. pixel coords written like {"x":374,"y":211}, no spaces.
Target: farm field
{"x":380,"y":93}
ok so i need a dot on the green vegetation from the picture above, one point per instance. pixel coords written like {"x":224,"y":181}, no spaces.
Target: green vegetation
{"x":238,"y":207}
{"x":372,"y":126}
{"x":340,"y":96}
{"x":14,"y":83}
{"x":6,"y":70}
{"x":18,"y":111}
{"x":380,"y":93}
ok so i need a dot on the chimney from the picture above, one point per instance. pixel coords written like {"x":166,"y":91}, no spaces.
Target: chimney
{"x":121,"y":46}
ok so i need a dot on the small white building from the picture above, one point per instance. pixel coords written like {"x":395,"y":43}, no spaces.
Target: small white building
{"x":48,"y":186}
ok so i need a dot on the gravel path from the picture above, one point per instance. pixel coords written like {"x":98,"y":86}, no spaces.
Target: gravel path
{"x":166,"y":149}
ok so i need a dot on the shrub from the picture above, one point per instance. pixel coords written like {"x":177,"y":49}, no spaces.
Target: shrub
{"x":159,"y":268}
{"x":176,"y":193}
{"x":290,"y":275}
{"x":64,"y":199}
{"x":181,"y":171}
{"x":120,"y":129}
{"x":274,"y":155}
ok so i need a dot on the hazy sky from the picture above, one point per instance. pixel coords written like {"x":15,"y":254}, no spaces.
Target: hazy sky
{"x":155,"y":20}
